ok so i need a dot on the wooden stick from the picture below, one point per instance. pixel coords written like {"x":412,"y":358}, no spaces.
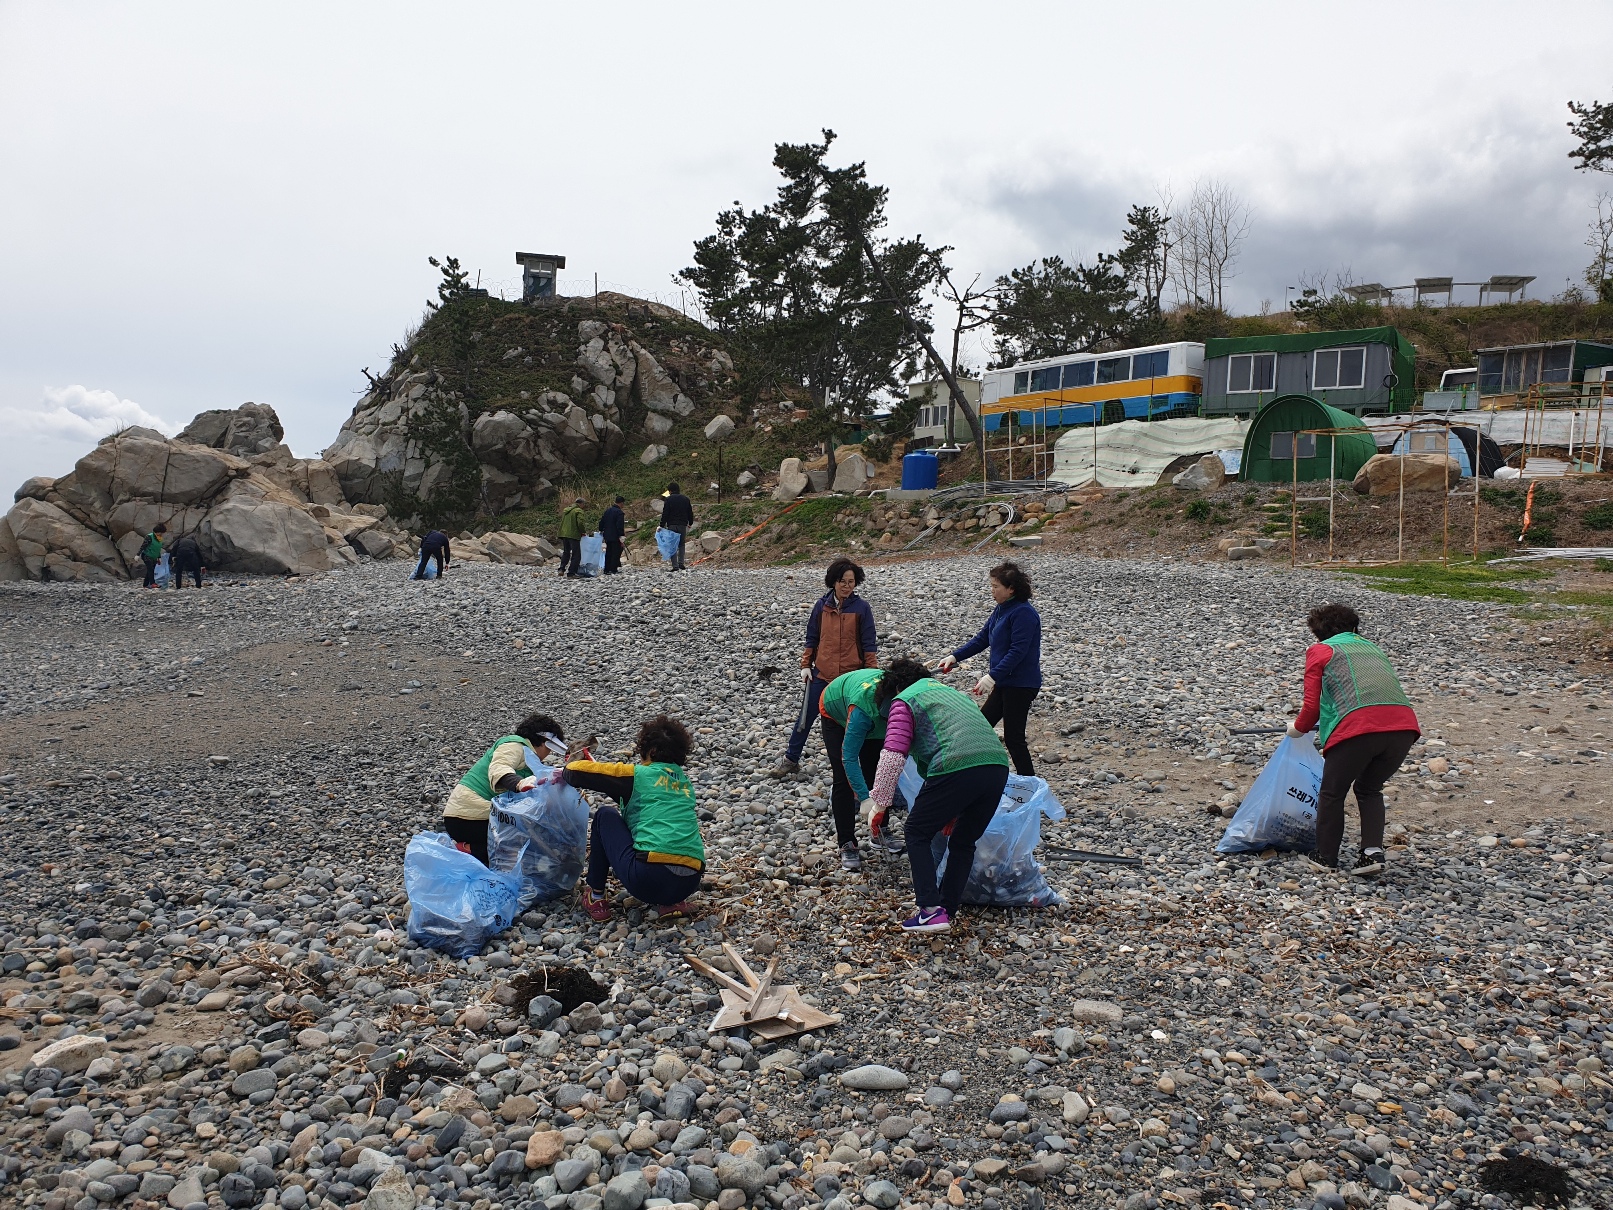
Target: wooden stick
{"x":739,"y":964}
{"x":762,"y":985}
{"x":717,"y":976}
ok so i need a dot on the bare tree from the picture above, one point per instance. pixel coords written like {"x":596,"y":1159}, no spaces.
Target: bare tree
{"x":972,"y":304}
{"x":1209,"y":233}
{"x":1599,"y":273}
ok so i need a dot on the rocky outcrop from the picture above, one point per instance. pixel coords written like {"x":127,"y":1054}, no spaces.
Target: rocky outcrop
{"x":252,"y":428}
{"x":521,"y":451}
{"x":272,"y":513}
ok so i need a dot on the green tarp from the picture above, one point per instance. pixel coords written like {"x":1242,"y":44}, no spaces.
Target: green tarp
{"x":1293,"y":414}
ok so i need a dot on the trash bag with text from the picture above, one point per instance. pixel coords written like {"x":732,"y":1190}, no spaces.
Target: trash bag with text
{"x":1279,"y":812}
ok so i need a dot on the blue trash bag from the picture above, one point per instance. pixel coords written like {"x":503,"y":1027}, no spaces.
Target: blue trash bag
{"x":1279,"y":812}
{"x":163,"y":572}
{"x":1006,"y":872}
{"x":541,"y":835}
{"x":593,"y":555}
{"x":666,"y":540}
{"x":456,"y":904}
{"x":430,"y":572}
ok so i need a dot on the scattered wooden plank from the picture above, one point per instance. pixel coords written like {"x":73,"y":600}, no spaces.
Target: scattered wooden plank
{"x":762,"y":986}
{"x":739,"y":964}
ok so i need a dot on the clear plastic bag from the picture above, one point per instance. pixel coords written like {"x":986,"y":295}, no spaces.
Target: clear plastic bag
{"x":541,"y":835}
{"x":1279,"y":812}
{"x":456,"y":904}
{"x":162,"y":574}
{"x":1005,"y":872}
{"x":593,"y":555}
{"x":666,"y":541}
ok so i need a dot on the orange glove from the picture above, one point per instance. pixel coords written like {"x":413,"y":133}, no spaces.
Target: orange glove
{"x":947,"y":831}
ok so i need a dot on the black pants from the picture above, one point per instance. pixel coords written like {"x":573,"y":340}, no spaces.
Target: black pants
{"x":842,"y":798}
{"x":1011,"y":706}
{"x":468,"y":831}
{"x":426,"y":555}
{"x":1366,"y":761}
{"x":570,"y":556}
{"x":969,"y":796}
{"x":610,"y":847}
{"x":613,"y":556}
{"x":151,"y":572}
{"x":683,"y":541}
{"x":181,"y":566}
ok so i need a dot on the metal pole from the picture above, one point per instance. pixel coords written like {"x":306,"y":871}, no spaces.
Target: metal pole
{"x":1400,"y":543}
{"x":1293,"y":505}
{"x":1332,"y":472}
{"x":1445,"y":548}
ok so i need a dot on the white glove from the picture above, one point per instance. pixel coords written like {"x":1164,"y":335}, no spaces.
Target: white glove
{"x":869,"y":809}
{"x":526,"y":783}
{"x":1294,"y":732}
{"x":985,"y":685}
{"x":947,"y":664}
{"x":806,"y":676}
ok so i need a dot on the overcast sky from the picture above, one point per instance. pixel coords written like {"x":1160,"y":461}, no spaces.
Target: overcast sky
{"x":203,"y":204}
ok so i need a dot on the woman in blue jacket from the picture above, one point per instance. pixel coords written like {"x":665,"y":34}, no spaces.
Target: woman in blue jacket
{"x":1014,"y":675}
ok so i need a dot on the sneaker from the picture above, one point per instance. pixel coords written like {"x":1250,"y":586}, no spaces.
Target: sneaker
{"x":1369,"y":863}
{"x":785,"y":768}
{"x":1317,"y":862}
{"x":928,"y":920}
{"x":595,"y":904}
{"x":680,"y":908}
{"x":850,"y":857}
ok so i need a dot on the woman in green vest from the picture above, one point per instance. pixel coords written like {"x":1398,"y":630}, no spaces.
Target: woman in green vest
{"x":964,"y":766}
{"x":653,"y":841}
{"x":853,"y":730}
{"x":1365,"y":727}
{"x":502,"y":768}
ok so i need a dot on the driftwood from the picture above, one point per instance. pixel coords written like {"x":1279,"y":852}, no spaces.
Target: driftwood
{"x":770,"y":1010}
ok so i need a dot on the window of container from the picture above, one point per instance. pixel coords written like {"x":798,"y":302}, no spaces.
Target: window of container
{"x":1251,"y":372}
{"x":1344,"y":369}
{"x":1557,"y":363}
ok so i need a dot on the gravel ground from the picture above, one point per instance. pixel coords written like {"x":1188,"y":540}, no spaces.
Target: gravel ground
{"x":208,"y":794}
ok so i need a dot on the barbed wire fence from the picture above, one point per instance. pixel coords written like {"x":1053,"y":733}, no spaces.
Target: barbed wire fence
{"x":675,"y":296}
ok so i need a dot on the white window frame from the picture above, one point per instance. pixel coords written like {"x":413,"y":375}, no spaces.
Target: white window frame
{"x":1338,"y":357}
{"x":1251,"y":389}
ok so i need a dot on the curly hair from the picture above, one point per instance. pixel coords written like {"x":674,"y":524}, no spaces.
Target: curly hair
{"x":902,"y":674}
{"x":1326,"y":621}
{"x":663,"y":739}
{"x":535,"y":726}
{"x":839,"y":568}
{"x":1012,"y":577}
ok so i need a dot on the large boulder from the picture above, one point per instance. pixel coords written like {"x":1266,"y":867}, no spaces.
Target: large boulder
{"x":138,"y":468}
{"x":508,"y":547}
{"x":37,"y":488}
{"x":312,"y":480}
{"x":577,"y":437}
{"x":656,"y":390}
{"x":792,"y":481}
{"x":53,"y":545}
{"x":1381,"y":476}
{"x":252,"y":532}
{"x":252,"y":428}
{"x":1205,"y":475}
{"x":11,"y":564}
{"x":720,"y":428}
{"x":852,"y":473}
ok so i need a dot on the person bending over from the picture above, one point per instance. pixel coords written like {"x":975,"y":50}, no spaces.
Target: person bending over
{"x":965,"y":768}
{"x":1014,"y":676}
{"x":434,"y":546}
{"x":502,"y":769}
{"x":652,"y":841}
{"x":1365,"y":726}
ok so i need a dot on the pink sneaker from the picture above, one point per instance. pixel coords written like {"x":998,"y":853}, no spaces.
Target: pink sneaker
{"x":595,"y":904}
{"x":928,"y":920}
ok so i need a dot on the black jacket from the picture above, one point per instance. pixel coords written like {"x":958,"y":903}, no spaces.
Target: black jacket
{"x":186,"y":551}
{"x":435,"y":540}
{"x":677,"y":511}
{"x":612,"y":524}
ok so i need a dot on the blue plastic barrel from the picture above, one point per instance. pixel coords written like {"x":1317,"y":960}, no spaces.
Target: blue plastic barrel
{"x":921,"y":471}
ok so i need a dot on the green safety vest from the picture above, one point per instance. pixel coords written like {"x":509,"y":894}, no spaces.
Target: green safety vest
{"x":661,"y":816}
{"x":854,"y":689}
{"x":1358,"y":675}
{"x":153,"y":547}
{"x":476,"y":779}
{"x":949,"y":732}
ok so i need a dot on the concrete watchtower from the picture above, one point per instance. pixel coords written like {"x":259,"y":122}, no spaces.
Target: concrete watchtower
{"x":538,"y":273}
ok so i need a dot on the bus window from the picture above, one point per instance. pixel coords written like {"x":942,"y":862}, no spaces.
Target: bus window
{"x":1021,"y":382}
{"x":1114,"y":369}
{"x":1078,"y":374}
{"x":1151,"y":365}
{"x":1045,"y":379}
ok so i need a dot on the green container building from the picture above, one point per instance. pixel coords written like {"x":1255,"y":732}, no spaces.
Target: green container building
{"x":1269,"y":447}
{"x":1360,"y":370}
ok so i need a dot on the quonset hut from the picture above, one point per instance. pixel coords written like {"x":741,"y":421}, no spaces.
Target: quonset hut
{"x":1277,"y":433}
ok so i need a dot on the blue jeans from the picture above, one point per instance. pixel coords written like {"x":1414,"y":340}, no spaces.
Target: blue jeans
{"x":610,"y":847}
{"x":969,"y":796}
{"x":803,"y":723}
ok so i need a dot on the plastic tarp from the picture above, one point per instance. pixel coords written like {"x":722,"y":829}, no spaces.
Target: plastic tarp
{"x":593,"y":555}
{"x":1454,"y":446}
{"x":1135,"y":453}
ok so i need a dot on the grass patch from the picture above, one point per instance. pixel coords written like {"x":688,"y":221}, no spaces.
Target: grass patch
{"x":1197,"y":510}
{"x":1599,"y":516}
{"x":1458,"y":582}
{"x":1603,"y":565}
